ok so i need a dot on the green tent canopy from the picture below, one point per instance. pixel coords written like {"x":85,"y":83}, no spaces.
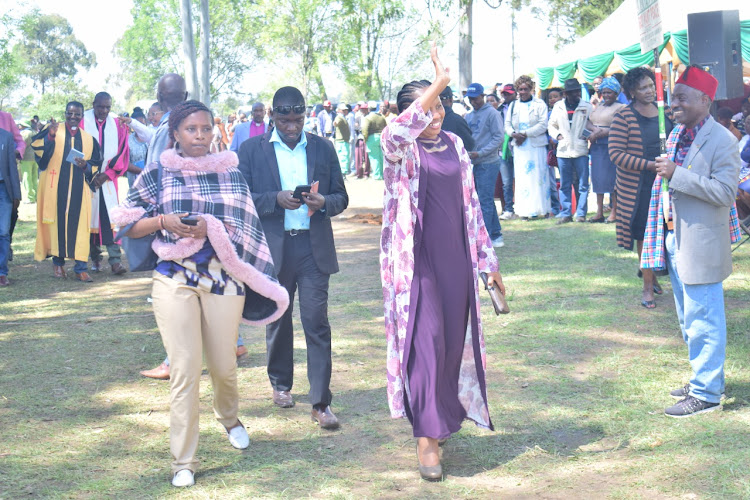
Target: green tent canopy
{"x":675,"y":43}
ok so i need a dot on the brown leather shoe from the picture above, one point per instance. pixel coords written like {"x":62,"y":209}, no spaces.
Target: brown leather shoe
{"x":60,"y":272}
{"x":283,"y":399}
{"x":325,"y":418}
{"x":161,"y":372}
{"x":96,"y":266}
{"x":84,"y":276}
{"x":118,"y":269}
{"x":4,"y":281}
{"x":241,"y":351}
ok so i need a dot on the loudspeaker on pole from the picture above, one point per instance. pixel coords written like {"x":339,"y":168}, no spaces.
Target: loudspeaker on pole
{"x":714,"y":44}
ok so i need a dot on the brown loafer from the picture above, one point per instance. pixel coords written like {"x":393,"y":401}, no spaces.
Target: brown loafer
{"x":325,"y":418}
{"x":60,"y":272}
{"x":84,"y":276}
{"x":4,"y":281}
{"x":118,"y":269}
{"x":283,"y":399}
{"x":96,"y":266}
{"x":161,"y":372}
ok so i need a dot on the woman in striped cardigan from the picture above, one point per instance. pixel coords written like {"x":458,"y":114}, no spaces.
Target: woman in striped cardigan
{"x":633,"y":147}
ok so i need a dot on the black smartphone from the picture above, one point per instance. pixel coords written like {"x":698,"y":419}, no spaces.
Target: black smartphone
{"x":190,"y":220}
{"x":299,"y":190}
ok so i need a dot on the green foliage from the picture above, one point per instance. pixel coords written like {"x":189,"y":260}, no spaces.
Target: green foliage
{"x":569,"y":20}
{"x":10,"y":64}
{"x":299,"y":36}
{"x":49,"y":50}
{"x":371,"y":24}
{"x":151,"y":45}
{"x":53,"y":103}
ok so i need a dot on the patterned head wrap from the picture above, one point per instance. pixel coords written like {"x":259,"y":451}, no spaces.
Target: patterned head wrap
{"x":610,"y":83}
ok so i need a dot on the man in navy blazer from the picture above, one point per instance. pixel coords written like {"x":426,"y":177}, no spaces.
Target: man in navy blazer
{"x":300,"y":238}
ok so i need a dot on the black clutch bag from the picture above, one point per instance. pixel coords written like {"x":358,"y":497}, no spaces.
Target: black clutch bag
{"x":498,"y":299}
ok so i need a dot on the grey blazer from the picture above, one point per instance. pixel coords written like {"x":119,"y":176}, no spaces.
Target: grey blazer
{"x":704,"y":189}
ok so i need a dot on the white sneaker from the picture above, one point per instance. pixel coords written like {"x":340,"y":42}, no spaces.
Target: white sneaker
{"x":507,"y":215}
{"x":238,"y":436}
{"x":183,"y":478}
{"x":498,"y":242}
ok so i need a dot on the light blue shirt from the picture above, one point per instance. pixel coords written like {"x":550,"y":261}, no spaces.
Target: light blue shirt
{"x":292,"y":172}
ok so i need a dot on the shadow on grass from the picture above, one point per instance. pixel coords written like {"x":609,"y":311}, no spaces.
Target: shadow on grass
{"x":578,"y":377}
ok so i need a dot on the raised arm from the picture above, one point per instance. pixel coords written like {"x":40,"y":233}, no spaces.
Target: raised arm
{"x":406,"y":127}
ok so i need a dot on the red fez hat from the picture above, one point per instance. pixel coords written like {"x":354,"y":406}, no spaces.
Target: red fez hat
{"x":699,"y":80}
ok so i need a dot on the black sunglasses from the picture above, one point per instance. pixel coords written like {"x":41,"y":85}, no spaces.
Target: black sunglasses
{"x":285,"y":110}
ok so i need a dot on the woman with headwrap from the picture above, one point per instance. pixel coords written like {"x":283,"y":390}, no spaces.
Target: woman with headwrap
{"x":603,"y":171}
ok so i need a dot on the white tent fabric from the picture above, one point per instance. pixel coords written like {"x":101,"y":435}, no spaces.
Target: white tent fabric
{"x":620,"y":29}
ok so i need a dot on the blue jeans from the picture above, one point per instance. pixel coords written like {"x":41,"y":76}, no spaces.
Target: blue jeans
{"x":485,"y":176}
{"x":567,"y":167}
{"x":507,"y":173}
{"x":79,"y":267}
{"x":553,"y":196}
{"x":6,"y":207}
{"x":700,"y":312}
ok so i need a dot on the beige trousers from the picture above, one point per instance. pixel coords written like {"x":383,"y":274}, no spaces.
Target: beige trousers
{"x":191,"y":322}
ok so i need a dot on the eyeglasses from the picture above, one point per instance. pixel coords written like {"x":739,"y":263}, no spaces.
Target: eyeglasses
{"x":285,"y":110}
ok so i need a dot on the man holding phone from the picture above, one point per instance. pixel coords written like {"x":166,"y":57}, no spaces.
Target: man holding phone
{"x":297,"y":186}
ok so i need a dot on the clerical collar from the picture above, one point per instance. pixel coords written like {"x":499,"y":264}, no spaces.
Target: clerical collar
{"x":72,"y":130}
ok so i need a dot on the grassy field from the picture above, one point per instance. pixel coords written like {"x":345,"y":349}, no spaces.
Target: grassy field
{"x":578,"y":378}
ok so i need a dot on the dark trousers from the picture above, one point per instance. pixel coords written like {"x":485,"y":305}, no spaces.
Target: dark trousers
{"x":299,"y":271}
{"x":13,"y":220}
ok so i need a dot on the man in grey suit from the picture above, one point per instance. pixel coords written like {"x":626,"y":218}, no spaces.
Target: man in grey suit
{"x":703,"y":175}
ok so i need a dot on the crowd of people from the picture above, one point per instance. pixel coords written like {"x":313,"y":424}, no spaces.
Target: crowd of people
{"x":240,"y":214}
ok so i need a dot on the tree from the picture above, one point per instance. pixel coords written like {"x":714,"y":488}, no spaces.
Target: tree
{"x":10,"y":63}
{"x":150,"y":46}
{"x":52,"y":104}
{"x":49,"y":49}
{"x":370,"y":24}
{"x":569,"y":20}
{"x":298,"y":35}
{"x":205,"y":61}
{"x":188,"y":48}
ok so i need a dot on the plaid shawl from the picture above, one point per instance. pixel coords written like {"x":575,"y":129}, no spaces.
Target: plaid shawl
{"x":213,"y":187}
{"x":654,"y":253}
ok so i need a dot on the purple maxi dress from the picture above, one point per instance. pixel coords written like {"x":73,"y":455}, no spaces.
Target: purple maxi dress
{"x":441,"y":295}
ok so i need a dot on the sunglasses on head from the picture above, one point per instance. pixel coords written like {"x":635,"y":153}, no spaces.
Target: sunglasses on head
{"x":285,"y":110}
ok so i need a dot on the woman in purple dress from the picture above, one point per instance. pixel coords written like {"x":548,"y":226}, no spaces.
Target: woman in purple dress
{"x":433,"y":245}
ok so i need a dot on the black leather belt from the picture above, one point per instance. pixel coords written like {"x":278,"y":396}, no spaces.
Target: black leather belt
{"x":297,"y":232}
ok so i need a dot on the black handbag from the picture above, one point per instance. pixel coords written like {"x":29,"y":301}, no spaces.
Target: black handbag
{"x":141,"y":255}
